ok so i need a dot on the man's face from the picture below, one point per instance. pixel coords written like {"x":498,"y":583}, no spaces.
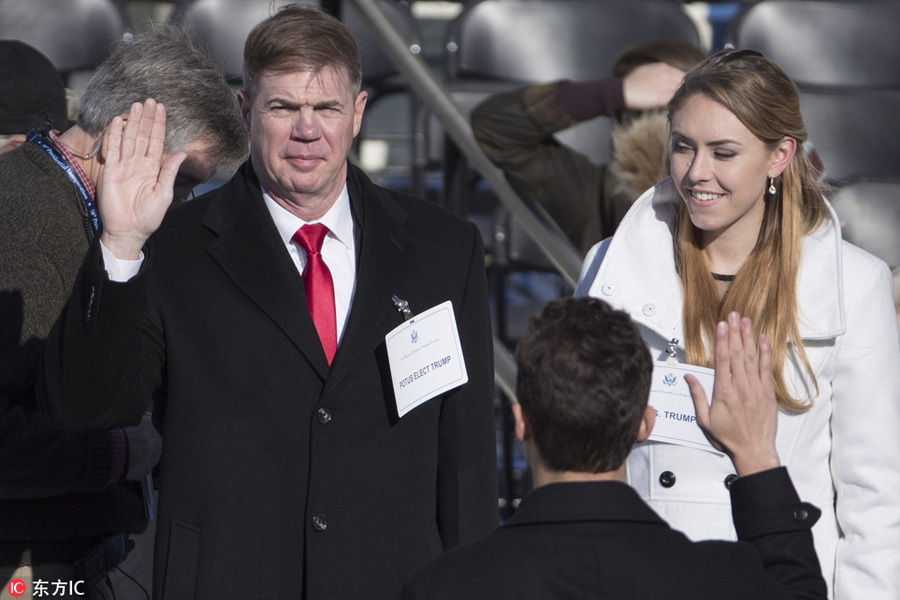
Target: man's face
{"x":301,"y":127}
{"x":195,"y":170}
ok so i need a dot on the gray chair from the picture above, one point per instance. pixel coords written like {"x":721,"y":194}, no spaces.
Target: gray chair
{"x":855,"y":131}
{"x":221,"y":27}
{"x":379,"y":70}
{"x":825,"y":43}
{"x":394,"y":115}
{"x":531,"y":41}
{"x":870,"y":217}
{"x":498,"y":44}
{"x":75,"y":35}
{"x":843,"y":56}
{"x":495,"y":45}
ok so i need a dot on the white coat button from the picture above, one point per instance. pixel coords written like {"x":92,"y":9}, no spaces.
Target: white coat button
{"x":608,"y":289}
{"x":649,"y":310}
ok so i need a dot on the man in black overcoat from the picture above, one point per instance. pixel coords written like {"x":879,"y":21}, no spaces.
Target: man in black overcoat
{"x":289,"y":469}
{"x":583,"y":383}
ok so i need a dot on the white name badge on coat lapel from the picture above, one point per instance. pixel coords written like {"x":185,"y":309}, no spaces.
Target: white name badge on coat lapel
{"x":670,"y":397}
{"x":426,"y":357}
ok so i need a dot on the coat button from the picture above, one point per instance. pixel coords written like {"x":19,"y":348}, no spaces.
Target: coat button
{"x":324,"y":415}
{"x":801,"y":514}
{"x":608,"y":289}
{"x":729,"y":481}
{"x":649,"y":310}
{"x":667,"y":479}
{"x":319,"y":522}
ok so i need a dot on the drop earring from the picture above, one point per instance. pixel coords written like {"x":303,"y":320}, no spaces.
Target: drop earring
{"x":772,"y":189}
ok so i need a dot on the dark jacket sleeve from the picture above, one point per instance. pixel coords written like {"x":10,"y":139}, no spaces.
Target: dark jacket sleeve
{"x":515,"y":130}
{"x":769,"y":514}
{"x":91,"y":375}
{"x":38,"y":460}
{"x":467,"y":469}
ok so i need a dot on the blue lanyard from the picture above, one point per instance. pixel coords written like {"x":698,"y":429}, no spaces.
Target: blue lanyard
{"x":93,"y":214}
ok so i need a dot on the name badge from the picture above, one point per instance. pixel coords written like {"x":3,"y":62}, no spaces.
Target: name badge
{"x":670,"y":397}
{"x":425,"y":357}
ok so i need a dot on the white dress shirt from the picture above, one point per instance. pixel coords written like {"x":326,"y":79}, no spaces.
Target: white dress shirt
{"x":338,"y":249}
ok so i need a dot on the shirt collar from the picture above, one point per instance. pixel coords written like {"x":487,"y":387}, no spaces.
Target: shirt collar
{"x":88,"y":184}
{"x":338,"y":219}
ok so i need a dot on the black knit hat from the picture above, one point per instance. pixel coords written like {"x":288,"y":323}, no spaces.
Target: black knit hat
{"x":29,"y":84}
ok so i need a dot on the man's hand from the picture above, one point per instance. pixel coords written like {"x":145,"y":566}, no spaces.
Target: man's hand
{"x":144,"y":449}
{"x":12,"y":142}
{"x":651,"y":86}
{"x":136,"y":187}
{"x":743,"y":416}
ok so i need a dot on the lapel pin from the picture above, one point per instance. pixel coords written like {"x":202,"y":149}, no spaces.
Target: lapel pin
{"x":402,"y":306}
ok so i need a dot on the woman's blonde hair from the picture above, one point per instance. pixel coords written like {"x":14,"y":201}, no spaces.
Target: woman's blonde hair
{"x":767,"y":102}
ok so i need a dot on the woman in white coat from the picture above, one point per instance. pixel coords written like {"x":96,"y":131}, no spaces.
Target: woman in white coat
{"x":742,"y":225}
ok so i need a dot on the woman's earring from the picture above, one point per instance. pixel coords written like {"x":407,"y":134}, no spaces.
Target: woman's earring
{"x":772,"y":189}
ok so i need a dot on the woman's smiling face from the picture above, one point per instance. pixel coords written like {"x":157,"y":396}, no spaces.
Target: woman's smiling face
{"x":720,"y":168}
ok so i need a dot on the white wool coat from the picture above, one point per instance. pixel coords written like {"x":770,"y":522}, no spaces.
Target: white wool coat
{"x":843,"y":454}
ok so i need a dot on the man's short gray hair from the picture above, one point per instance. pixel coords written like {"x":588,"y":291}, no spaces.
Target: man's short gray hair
{"x":165,"y":64}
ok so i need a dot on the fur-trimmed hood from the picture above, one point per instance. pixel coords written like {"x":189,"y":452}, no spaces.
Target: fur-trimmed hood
{"x":639,"y":151}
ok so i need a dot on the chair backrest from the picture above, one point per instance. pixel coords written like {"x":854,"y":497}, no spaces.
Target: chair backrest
{"x":75,"y":35}
{"x":222,"y":26}
{"x":856,"y":132}
{"x":533,"y":41}
{"x":495,"y":44}
{"x":377,"y":66}
{"x":825,"y":43}
{"x":843,"y":56}
{"x":870,"y":214}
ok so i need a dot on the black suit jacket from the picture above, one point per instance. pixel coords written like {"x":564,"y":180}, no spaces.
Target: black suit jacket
{"x":599,"y":540}
{"x":283,"y":477}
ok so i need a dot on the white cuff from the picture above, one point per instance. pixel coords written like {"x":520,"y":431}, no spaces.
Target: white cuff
{"x":118,"y":269}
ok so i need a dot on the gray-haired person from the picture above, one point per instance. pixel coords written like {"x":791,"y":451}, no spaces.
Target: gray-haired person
{"x":69,"y":501}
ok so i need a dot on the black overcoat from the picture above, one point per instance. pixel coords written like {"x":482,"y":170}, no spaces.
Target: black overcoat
{"x":283,"y":477}
{"x":599,"y":540}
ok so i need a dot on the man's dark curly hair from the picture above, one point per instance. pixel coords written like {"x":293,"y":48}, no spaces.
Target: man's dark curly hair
{"x":583,"y":384}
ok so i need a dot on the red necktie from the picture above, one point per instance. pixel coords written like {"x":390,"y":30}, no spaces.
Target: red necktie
{"x":319,"y":286}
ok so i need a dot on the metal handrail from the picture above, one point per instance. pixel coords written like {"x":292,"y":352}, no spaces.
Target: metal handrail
{"x":555,"y":246}
{"x":546,"y":235}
